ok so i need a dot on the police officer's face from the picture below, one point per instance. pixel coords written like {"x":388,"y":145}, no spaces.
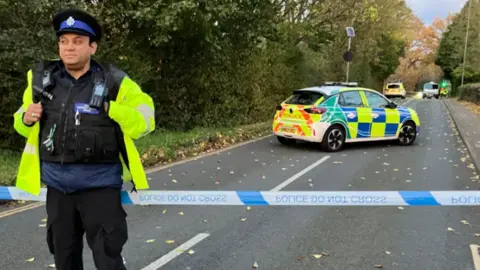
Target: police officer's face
{"x":75,"y":50}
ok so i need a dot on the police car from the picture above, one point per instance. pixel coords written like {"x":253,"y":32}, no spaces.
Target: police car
{"x":395,"y":90}
{"x":335,"y":114}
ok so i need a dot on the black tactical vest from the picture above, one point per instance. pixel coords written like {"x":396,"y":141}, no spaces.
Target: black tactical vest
{"x":71,"y":131}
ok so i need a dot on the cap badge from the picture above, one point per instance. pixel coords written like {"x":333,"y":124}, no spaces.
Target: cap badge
{"x":70,"y":21}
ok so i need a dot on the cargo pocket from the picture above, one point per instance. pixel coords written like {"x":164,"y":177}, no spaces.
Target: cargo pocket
{"x":115,"y":234}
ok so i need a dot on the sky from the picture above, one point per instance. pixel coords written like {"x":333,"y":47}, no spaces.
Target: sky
{"x":427,"y":10}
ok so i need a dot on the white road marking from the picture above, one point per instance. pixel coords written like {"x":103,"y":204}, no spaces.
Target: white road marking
{"x":20,"y":209}
{"x":159,"y":168}
{"x":302,"y":172}
{"x":476,"y":256}
{"x":175,"y":252}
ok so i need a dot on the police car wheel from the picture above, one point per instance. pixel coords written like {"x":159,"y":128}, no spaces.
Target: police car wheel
{"x":334,"y":139}
{"x":286,"y":141}
{"x":407,"y":134}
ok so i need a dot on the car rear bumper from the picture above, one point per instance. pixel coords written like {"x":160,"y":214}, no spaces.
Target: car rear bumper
{"x":317,"y":131}
{"x":394,"y":94}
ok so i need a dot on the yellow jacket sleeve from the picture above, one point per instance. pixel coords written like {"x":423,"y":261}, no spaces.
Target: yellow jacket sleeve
{"x":133,"y":110}
{"x":18,"y":124}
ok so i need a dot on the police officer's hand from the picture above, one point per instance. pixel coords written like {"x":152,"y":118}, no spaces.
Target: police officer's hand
{"x":33,"y":114}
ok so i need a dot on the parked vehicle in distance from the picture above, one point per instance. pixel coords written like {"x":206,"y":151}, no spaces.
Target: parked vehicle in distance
{"x":392,"y":90}
{"x":430,"y":90}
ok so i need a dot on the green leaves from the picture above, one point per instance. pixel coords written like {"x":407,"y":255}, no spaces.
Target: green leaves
{"x":216,"y":62}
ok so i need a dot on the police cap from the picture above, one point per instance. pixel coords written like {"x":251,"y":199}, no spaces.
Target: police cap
{"x":77,"y":21}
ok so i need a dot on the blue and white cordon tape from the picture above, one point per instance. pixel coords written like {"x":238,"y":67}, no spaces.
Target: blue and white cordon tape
{"x":285,"y":198}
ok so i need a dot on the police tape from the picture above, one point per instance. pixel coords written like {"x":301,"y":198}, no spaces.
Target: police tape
{"x":285,"y":198}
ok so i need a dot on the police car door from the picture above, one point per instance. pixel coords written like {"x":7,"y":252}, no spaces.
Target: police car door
{"x":384,"y":120}
{"x":356,"y":114}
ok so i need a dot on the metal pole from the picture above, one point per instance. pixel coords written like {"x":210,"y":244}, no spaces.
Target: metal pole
{"x":466,"y":40}
{"x":348,"y":63}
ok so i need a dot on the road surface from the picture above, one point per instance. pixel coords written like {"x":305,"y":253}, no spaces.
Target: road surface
{"x":279,"y":237}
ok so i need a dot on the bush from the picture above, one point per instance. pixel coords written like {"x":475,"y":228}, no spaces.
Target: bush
{"x":470,"y":92}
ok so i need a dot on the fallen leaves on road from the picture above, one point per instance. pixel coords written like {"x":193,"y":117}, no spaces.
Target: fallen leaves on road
{"x":338,"y":162}
{"x":150,"y":241}
{"x":465,"y":222}
{"x":249,"y":208}
{"x":174,"y":181}
{"x":450,"y":229}
{"x":408,"y":181}
{"x":299,"y":258}
{"x":31,"y":259}
{"x":164,"y":211}
{"x":243,"y":219}
{"x":388,"y":252}
{"x":477,"y":234}
{"x":42,"y":225}
{"x":395,"y":170}
{"x":191,"y":251}
{"x":317,"y":256}
{"x":386,"y":164}
{"x":255,"y":265}
{"x":401,"y":208}
{"x":470,"y":166}
{"x":52,"y":265}
{"x":181,"y":213}
{"x":44,"y":220}
{"x":378,"y":265}
{"x":170,"y":241}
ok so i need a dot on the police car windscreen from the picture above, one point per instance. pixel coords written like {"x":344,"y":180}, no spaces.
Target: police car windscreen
{"x":304,"y":98}
{"x":393,"y":86}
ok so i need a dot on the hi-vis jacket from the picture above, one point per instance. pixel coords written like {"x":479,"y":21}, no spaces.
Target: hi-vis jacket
{"x":133,"y":110}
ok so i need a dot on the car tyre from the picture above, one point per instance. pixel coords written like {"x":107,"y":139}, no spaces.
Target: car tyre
{"x":286,"y":141}
{"x":334,"y":139}
{"x":407,"y":134}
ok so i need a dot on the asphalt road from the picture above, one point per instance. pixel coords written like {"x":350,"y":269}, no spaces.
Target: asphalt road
{"x":230,"y":237}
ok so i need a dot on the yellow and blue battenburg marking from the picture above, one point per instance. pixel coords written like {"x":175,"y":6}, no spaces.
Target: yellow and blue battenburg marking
{"x":375,"y":122}
{"x":283,"y":198}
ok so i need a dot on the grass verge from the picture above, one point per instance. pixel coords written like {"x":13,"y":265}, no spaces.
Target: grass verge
{"x":163,"y":147}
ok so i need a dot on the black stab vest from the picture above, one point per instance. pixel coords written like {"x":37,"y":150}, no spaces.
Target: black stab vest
{"x":95,"y":137}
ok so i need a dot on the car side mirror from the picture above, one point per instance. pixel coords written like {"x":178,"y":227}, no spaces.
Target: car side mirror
{"x":391,"y":105}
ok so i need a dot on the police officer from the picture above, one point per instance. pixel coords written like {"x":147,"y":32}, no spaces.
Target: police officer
{"x":80,"y":118}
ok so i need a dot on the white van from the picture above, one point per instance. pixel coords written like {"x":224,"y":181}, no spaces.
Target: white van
{"x":430,"y":90}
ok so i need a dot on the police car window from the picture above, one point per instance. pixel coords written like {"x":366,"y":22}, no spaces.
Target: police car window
{"x":304,"y":98}
{"x":350,"y":99}
{"x":375,"y":100}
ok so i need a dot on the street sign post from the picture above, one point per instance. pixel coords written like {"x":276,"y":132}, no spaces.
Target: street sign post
{"x":348,"y":55}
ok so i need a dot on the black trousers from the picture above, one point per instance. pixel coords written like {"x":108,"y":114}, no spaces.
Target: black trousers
{"x":98,"y":213}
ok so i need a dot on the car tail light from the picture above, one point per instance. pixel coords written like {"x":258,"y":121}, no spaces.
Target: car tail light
{"x":279,"y":107}
{"x":316,"y":110}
